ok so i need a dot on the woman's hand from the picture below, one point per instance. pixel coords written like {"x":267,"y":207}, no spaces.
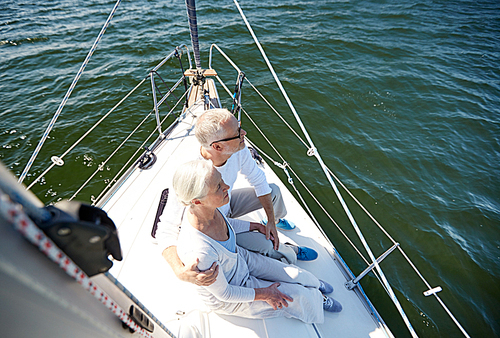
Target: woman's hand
{"x":190,"y":274}
{"x":272,"y":296}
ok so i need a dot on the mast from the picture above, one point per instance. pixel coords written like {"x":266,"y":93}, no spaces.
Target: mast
{"x":193,"y":29}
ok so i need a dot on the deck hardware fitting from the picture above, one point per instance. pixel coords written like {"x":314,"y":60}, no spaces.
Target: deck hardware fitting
{"x":57,"y":160}
{"x":354,"y":282}
{"x":433,"y":291}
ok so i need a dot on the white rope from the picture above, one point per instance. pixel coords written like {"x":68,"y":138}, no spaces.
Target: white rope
{"x":282,"y":167}
{"x":317,"y":202}
{"x":402,"y":253}
{"x":344,"y":234}
{"x":66,"y":97}
{"x":337,"y":192}
{"x":276,"y":112}
{"x":312,"y":152}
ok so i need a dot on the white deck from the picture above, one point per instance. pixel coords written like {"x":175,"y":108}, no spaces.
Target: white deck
{"x":146,"y":275}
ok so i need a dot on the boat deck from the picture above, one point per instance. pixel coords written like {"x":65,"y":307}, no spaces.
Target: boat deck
{"x":148,"y":277}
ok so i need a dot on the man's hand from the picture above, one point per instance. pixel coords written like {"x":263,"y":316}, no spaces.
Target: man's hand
{"x":271,"y":231}
{"x":263,"y":230}
{"x":191,"y":273}
{"x":272,"y":296}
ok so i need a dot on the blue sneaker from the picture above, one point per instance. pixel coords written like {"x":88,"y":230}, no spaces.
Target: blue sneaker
{"x":283,"y":224}
{"x":331,"y":305}
{"x":324,"y":287}
{"x":306,"y":254}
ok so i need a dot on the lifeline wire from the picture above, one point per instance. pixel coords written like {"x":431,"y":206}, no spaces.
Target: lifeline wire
{"x":116,"y":150}
{"x":66,"y":97}
{"x":104,"y":117}
{"x":85,"y":134}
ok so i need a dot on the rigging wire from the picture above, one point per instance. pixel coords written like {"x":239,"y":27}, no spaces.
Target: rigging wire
{"x":86,"y":133}
{"x":403,"y":254}
{"x":313,"y":151}
{"x":110,"y":111}
{"x":340,"y":229}
{"x":66,"y":97}
{"x":302,"y":183}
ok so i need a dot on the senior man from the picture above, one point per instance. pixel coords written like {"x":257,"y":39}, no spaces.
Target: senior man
{"x":223,"y":143}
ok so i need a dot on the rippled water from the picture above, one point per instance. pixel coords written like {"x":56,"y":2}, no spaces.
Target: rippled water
{"x":400,"y":98}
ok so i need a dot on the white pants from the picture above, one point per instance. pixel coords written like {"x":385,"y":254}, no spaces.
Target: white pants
{"x":244,"y":201}
{"x":295,"y":282}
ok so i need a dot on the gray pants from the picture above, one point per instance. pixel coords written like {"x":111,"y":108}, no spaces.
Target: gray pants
{"x":295,"y":282}
{"x":244,"y":201}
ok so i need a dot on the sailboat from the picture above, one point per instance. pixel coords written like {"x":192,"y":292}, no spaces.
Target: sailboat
{"x":118,"y":281}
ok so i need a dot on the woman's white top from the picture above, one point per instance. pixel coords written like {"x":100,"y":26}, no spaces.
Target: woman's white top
{"x":233,"y":270}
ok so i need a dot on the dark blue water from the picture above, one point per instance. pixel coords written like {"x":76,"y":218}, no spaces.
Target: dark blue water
{"x":401,"y":99}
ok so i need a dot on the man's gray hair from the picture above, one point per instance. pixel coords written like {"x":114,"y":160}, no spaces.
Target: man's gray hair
{"x":208,"y":127}
{"x":190,"y":181}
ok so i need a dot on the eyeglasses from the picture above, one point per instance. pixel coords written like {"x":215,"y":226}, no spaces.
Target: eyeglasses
{"x":229,"y":138}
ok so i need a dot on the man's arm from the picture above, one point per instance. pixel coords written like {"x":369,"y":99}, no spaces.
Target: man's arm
{"x":257,"y":179}
{"x":167,"y":235}
{"x":191,"y":273}
{"x":271,"y":232}
{"x":262,"y":229}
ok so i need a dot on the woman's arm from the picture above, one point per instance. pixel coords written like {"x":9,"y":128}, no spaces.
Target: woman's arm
{"x":226,"y":292}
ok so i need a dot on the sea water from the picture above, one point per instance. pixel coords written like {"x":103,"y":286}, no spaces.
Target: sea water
{"x":400,"y":99}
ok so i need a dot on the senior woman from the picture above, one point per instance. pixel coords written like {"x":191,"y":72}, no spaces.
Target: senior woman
{"x":248,"y":284}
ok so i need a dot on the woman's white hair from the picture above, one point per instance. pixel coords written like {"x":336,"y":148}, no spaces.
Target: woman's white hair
{"x":190,"y":181}
{"x":208,"y":127}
